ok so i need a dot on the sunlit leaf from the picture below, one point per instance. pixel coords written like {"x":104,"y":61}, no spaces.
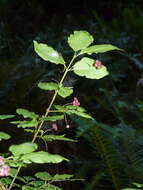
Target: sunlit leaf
{"x":25,"y":124}
{"x":6,"y":116}
{"x":48,"y":53}
{"x":29,"y":130}
{"x":4,"y":136}
{"x":23,"y":148}
{"x":53,"y":118}
{"x":79,"y":40}
{"x":85,"y":67}
{"x":48,"y":85}
{"x":65,"y":91}
{"x":56,"y":137}
{"x":99,"y":49}
{"x":26,"y":113}
{"x":81,"y":114}
{"x":77,"y":110}
{"x":42,"y":157}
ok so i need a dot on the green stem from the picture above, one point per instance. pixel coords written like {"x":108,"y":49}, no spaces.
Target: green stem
{"x":46,"y":114}
{"x":14,"y":177}
{"x":53,"y":99}
{"x":47,"y":111}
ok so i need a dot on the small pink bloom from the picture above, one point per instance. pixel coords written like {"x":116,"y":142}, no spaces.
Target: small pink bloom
{"x":54,"y":126}
{"x":98,"y":64}
{"x":4,"y":170}
{"x":1,"y":160}
{"x":75,"y":102}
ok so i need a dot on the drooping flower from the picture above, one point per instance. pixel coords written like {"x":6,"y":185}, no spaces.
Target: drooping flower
{"x":75,"y":102}
{"x":4,"y":170}
{"x":98,"y":64}
{"x":54,"y":126}
{"x":1,"y":160}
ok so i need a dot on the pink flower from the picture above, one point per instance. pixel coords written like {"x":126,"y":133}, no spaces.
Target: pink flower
{"x":1,"y":160}
{"x":75,"y":102}
{"x":98,"y":64}
{"x":54,"y":126}
{"x":4,"y":170}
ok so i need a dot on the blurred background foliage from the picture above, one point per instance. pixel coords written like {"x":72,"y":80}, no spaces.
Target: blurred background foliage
{"x":109,"y":154}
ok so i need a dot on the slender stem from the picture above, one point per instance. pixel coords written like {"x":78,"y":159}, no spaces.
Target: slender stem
{"x":47,"y":111}
{"x":46,"y":114}
{"x":53,"y":99}
{"x":14,"y":177}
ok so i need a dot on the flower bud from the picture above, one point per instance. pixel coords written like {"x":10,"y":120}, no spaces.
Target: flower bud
{"x":98,"y":64}
{"x":75,"y":102}
{"x":54,"y":126}
{"x":1,"y":160}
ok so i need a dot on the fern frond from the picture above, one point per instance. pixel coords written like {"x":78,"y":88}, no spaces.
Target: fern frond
{"x":110,"y":154}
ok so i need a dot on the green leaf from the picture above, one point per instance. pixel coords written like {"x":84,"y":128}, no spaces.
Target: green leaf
{"x":65,"y":91}
{"x":60,"y":108}
{"x":36,"y":183}
{"x":26,"y":113}
{"x":62,"y":177}
{"x":25,"y":187}
{"x":29,"y":178}
{"x":137,"y":184}
{"x":80,"y":40}
{"x":42,"y":157}
{"x":23,"y":148}
{"x":6,"y":116}
{"x":48,"y":85}
{"x":12,"y":172}
{"x":85,"y":67}
{"x":44,"y":176}
{"x":5,"y":181}
{"x":4,"y":136}
{"x":56,"y":137}
{"x":53,"y":118}
{"x":25,"y":124}
{"x":15,"y":163}
{"x":81,"y":114}
{"x":99,"y":49}
{"x":51,"y":187}
{"x":77,"y":110}
{"x":33,"y":131}
{"x":48,"y":53}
